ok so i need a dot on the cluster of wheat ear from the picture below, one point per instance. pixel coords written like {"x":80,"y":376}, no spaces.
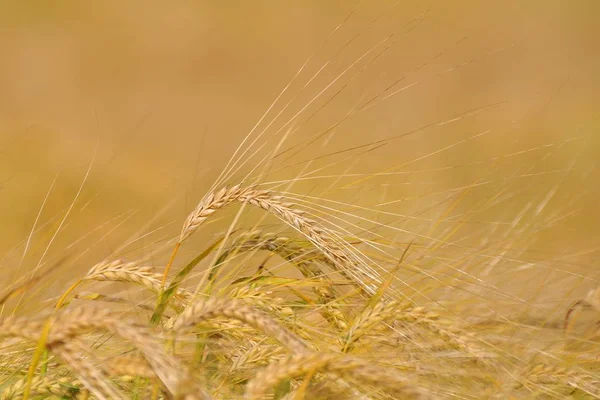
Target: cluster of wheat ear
{"x":334,"y":332}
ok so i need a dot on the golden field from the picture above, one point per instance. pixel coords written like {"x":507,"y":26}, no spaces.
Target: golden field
{"x":366,"y":200}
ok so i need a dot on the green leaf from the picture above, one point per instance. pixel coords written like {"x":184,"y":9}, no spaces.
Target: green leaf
{"x":282,"y":389}
{"x":165,"y":296}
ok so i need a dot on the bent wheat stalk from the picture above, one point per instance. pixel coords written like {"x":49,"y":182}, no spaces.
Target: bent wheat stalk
{"x":445,"y":329}
{"x":264,"y":199}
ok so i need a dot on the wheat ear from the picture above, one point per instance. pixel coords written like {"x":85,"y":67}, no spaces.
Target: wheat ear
{"x":370,"y":317}
{"x":256,"y":355}
{"x":547,"y":374}
{"x":213,"y":307}
{"x":318,"y":235}
{"x":121,"y":271}
{"x":77,"y":321}
{"x":443,"y":328}
{"x":43,"y":386}
{"x":306,"y":262}
{"x":67,"y":351}
{"x":129,"y":366}
{"x":340,"y":365}
{"x":94,"y":379}
{"x":74,"y":322}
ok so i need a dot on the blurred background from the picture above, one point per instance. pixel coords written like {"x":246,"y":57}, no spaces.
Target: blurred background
{"x":157,"y":96}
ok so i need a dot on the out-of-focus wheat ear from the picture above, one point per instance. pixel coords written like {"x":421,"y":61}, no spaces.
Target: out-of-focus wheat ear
{"x":135,"y":366}
{"x":68,"y":349}
{"x":76,"y":321}
{"x":21,"y":327}
{"x":213,"y":307}
{"x":305,"y":260}
{"x":547,"y":375}
{"x":257,"y":354}
{"x":188,"y":390}
{"x":376,"y":310}
{"x":129,"y":366}
{"x":92,"y":377}
{"x":592,"y":300}
{"x":444,"y":328}
{"x":321,"y":390}
{"x":47,"y":386}
{"x":342,"y":366}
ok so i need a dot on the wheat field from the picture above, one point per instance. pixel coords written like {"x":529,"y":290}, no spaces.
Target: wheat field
{"x":310,"y":200}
